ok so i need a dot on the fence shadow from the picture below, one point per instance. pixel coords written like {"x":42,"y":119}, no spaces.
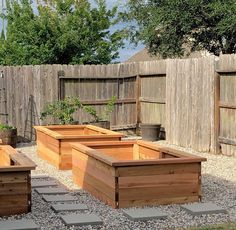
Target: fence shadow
{"x":32,"y":118}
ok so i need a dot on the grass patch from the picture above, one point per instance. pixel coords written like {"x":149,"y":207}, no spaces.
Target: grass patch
{"x":231,"y":226}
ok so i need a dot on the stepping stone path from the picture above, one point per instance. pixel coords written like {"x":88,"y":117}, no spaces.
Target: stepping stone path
{"x":48,"y":191}
{"x":203,"y":208}
{"x":68,"y":207}
{"x":144,"y":214}
{"x":38,"y":184}
{"x":81,"y":219}
{"x":39,"y":177}
{"x":18,"y":225}
{"x":58,"y":198}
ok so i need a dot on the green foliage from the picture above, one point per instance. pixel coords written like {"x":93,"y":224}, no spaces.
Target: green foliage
{"x":168,"y":27}
{"x":60,"y":31}
{"x":104,"y":116}
{"x":227,"y":226}
{"x":62,"y":110}
{"x":4,"y":127}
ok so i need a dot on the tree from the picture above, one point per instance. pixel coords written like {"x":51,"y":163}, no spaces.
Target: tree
{"x":59,"y":31}
{"x":167,"y":27}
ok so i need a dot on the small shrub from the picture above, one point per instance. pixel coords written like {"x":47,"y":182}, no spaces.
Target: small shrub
{"x":104,"y":116}
{"x":62,"y":110}
{"x":4,"y":127}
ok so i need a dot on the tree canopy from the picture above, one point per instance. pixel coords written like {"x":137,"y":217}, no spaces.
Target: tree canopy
{"x":59,"y":32}
{"x":167,"y":27}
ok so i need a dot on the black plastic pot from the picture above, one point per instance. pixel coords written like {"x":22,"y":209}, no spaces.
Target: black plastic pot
{"x":150,"y":132}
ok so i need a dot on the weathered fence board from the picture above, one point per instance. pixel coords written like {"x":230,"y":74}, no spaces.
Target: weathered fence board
{"x":227,"y":104}
{"x":190,"y":102}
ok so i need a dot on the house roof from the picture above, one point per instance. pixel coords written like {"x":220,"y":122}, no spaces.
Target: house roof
{"x":143,"y":55}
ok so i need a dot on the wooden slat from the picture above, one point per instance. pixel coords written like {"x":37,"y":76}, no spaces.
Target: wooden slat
{"x":227,"y":105}
{"x":227,"y":141}
{"x":161,"y":169}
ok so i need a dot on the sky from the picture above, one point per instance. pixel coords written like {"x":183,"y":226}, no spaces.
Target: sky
{"x":129,"y":49}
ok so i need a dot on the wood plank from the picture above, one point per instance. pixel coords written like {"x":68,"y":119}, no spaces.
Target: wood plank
{"x":160,"y":192}
{"x":227,"y":105}
{"x":157,"y":181}
{"x":158,"y":170}
{"x":84,"y":177}
{"x":228,"y":141}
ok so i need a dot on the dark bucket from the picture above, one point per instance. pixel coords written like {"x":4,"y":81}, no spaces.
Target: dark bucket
{"x":150,"y":132}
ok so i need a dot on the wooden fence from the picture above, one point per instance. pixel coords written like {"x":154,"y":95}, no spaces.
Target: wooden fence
{"x":194,"y":99}
{"x":30,"y":88}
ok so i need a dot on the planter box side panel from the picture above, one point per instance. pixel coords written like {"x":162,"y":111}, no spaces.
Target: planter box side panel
{"x":145,"y":153}
{"x":119,"y":152}
{"x":48,"y":148}
{"x":65,"y":148}
{"x":15,"y":193}
{"x":4,"y":159}
{"x":158,"y":184}
{"x":95,"y":177}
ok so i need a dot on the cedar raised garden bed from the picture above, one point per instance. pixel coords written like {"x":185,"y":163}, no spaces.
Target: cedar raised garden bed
{"x":125,"y":174}
{"x":53,"y":142}
{"x":15,"y":182}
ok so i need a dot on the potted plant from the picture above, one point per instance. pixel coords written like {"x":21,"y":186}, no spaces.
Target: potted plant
{"x":103,"y":119}
{"x":8,"y":135}
{"x":62,"y":110}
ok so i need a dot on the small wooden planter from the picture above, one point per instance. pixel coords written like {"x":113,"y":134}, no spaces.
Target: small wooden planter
{"x":125,"y":174}
{"x":53,"y":142}
{"x":15,"y":182}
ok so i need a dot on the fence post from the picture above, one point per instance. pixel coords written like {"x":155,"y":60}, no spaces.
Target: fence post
{"x":138,"y":103}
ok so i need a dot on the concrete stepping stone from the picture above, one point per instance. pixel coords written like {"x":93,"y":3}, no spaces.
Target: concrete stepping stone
{"x":203,"y":208}
{"x":81,"y":219}
{"x":39,"y":176}
{"x":68,"y":207}
{"x":18,"y":225}
{"x":58,"y":198}
{"x":144,"y":214}
{"x":48,"y":191}
{"x":38,"y":184}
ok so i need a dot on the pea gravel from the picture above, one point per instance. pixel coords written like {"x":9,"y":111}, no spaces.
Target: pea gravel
{"x":218,"y":186}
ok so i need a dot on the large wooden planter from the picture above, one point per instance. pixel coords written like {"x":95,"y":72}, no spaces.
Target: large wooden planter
{"x":15,"y":182}
{"x":53,"y":142}
{"x":125,"y":174}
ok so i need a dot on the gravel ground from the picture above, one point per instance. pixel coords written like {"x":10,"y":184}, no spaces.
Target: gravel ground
{"x":219,"y":186}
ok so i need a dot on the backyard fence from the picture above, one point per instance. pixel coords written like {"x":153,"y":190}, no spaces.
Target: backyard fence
{"x":194,"y":99}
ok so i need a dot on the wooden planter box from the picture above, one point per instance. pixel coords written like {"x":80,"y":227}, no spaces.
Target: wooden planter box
{"x":15,"y":182}
{"x":125,"y":174}
{"x":53,"y":142}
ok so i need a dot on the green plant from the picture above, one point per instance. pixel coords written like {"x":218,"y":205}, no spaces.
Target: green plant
{"x":104,"y":116}
{"x":59,"y":31}
{"x":4,"y":127}
{"x":62,"y":110}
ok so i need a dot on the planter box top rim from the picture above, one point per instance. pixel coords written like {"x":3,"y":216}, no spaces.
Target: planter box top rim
{"x":56,"y":135}
{"x":22,"y":162}
{"x":182,"y":157}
